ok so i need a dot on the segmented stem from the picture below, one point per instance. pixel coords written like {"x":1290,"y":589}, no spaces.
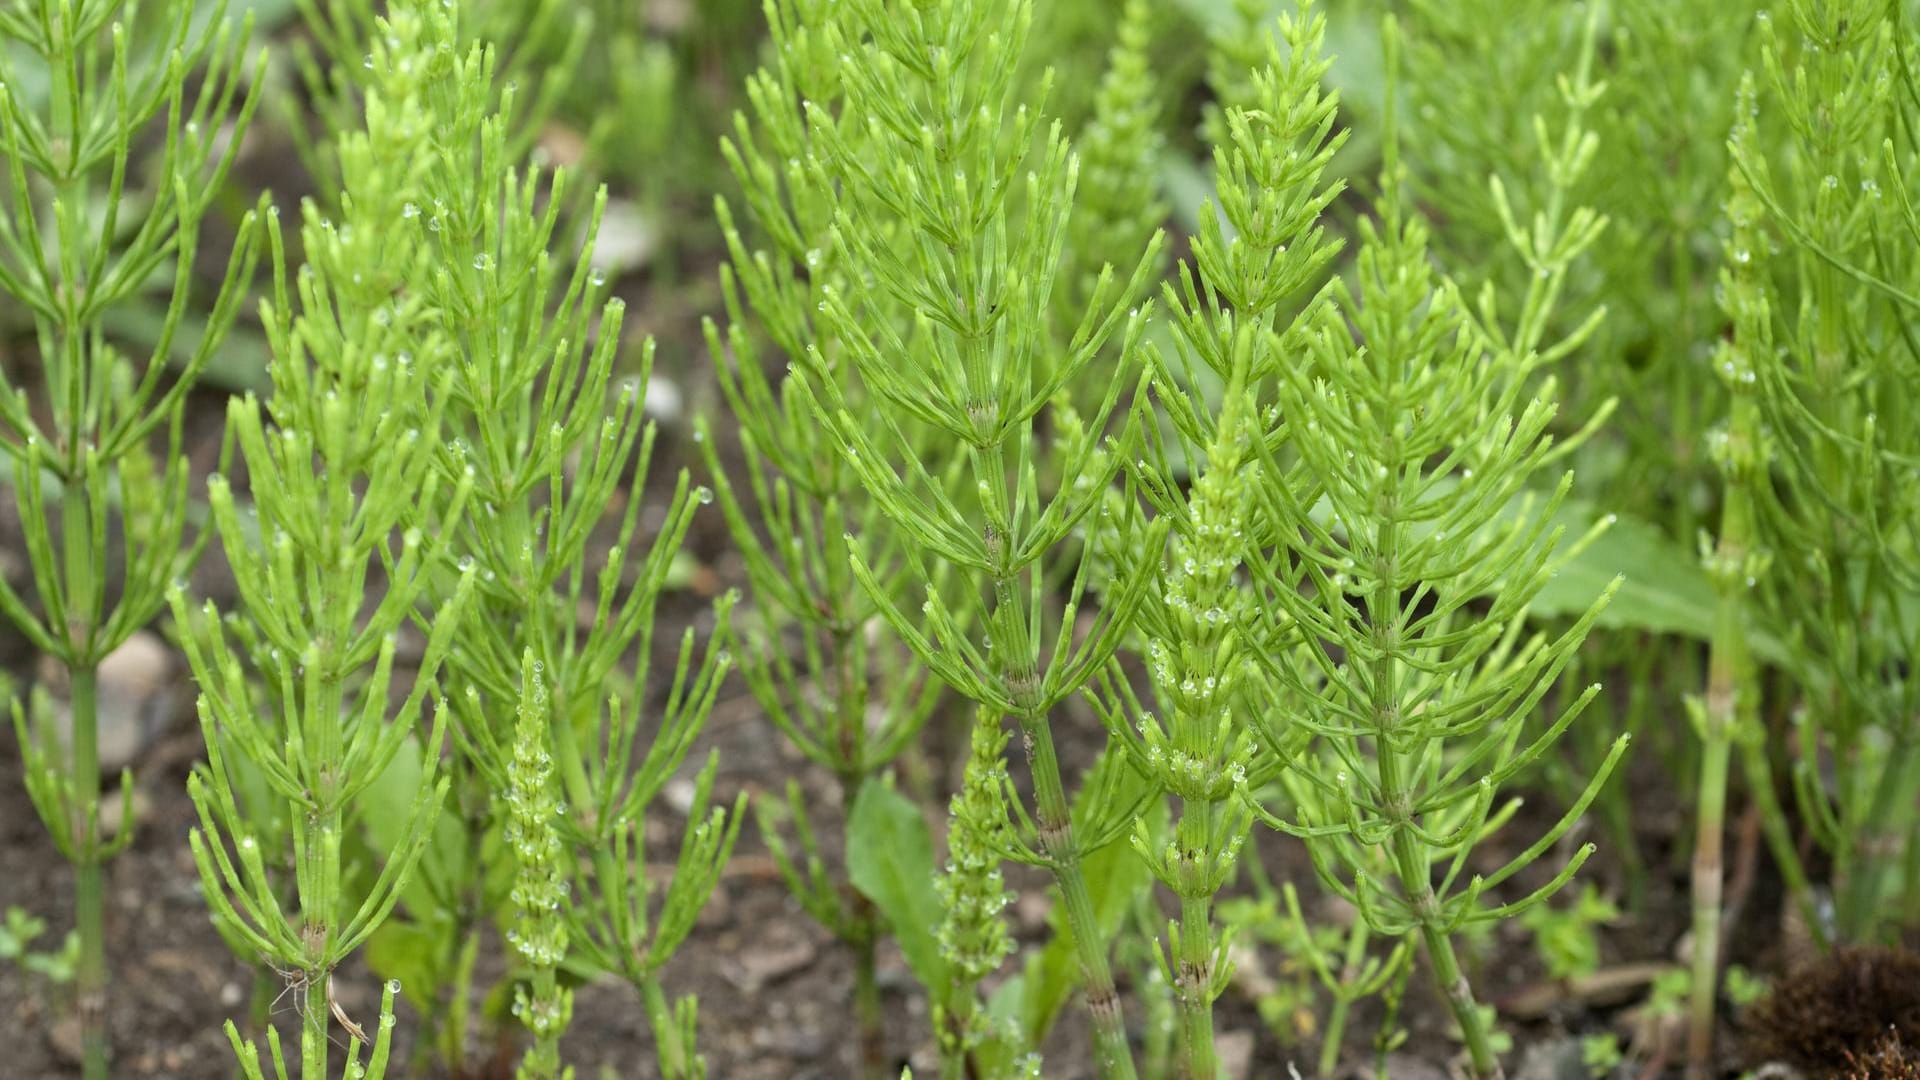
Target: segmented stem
{"x":1113,"y":1054}
{"x":1731,"y":700}
{"x":1410,"y":859}
{"x":1195,"y":987}
{"x":89,"y":916}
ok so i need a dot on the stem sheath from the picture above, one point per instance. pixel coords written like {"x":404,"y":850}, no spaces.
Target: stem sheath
{"x":1113,"y":1054}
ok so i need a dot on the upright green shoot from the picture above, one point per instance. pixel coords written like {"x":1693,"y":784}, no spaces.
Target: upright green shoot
{"x":1418,"y":425}
{"x":539,"y":42}
{"x":342,"y":462}
{"x":1817,"y":465}
{"x":558,"y":451}
{"x":1835,"y":395}
{"x":541,"y":884}
{"x":973,"y":935}
{"x":1118,"y":204}
{"x":850,"y":704}
{"x":1729,"y":710}
{"x":953,"y":208}
{"x":80,"y":243}
{"x":1264,"y":245}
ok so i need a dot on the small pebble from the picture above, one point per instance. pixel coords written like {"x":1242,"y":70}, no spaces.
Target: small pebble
{"x":134,"y":701}
{"x":678,"y":795}
{"x":1234,"y":1049}
{"x":1555,"y":1059}
{"x":112,"y":810}
{"x":626,"y":239}
{"x":753,"y":969}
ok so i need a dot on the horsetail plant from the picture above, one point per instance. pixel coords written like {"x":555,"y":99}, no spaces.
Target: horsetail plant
{"x":1729,"y":711}
{"x":536,"y":424}
{"x":582,"y":879}
{"x":1817,"y":465}
{"x":1409,"y":423}
{"x":1236,"y":50}
{"x":847,"y":703}
{"x":80,"y":242}
{"x":1359,"y":976}
{"x":540,"y":41}
{"x":1117,"y":212}
{"x":466,"y":96}
{"x":338,"y":489}
{"x":623,"y":922}
{"x":1482,"y":76}
{"x":1118,"y":204}
{"x":540,"y":884}
{"x":1227,"y":317}
{"x":973,"y":893}
{"x":944,"y":268}
{"x":1835,"y":396}
{"x":1662,"y":183}
{"x":618,"y":920}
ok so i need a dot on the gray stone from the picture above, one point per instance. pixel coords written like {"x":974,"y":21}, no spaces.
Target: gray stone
{"x":134,"y":700}
{"x":1555,"y":1059}
{"x":1234,"y":1050}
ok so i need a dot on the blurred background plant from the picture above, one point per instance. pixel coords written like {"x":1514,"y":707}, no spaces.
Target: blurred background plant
{"x":17,"y":936}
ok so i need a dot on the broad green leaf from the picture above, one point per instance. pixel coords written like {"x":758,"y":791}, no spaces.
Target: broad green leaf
{"x":408,"y":951}
{"x":1666,"y":590}
{"x":890,"y":860}
{"x":384,"y":808}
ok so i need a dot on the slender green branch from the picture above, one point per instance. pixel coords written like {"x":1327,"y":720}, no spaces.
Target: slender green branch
{"x":1729,"y":710}
{"x":84,"y":103}
{"x":335,"y":491}
{"x":1413,"y":435}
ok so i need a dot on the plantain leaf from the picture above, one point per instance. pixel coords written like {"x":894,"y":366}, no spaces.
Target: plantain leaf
{"x":384,"y":815}
{"x":890,"y":860}
{"x":1666,"y":590}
